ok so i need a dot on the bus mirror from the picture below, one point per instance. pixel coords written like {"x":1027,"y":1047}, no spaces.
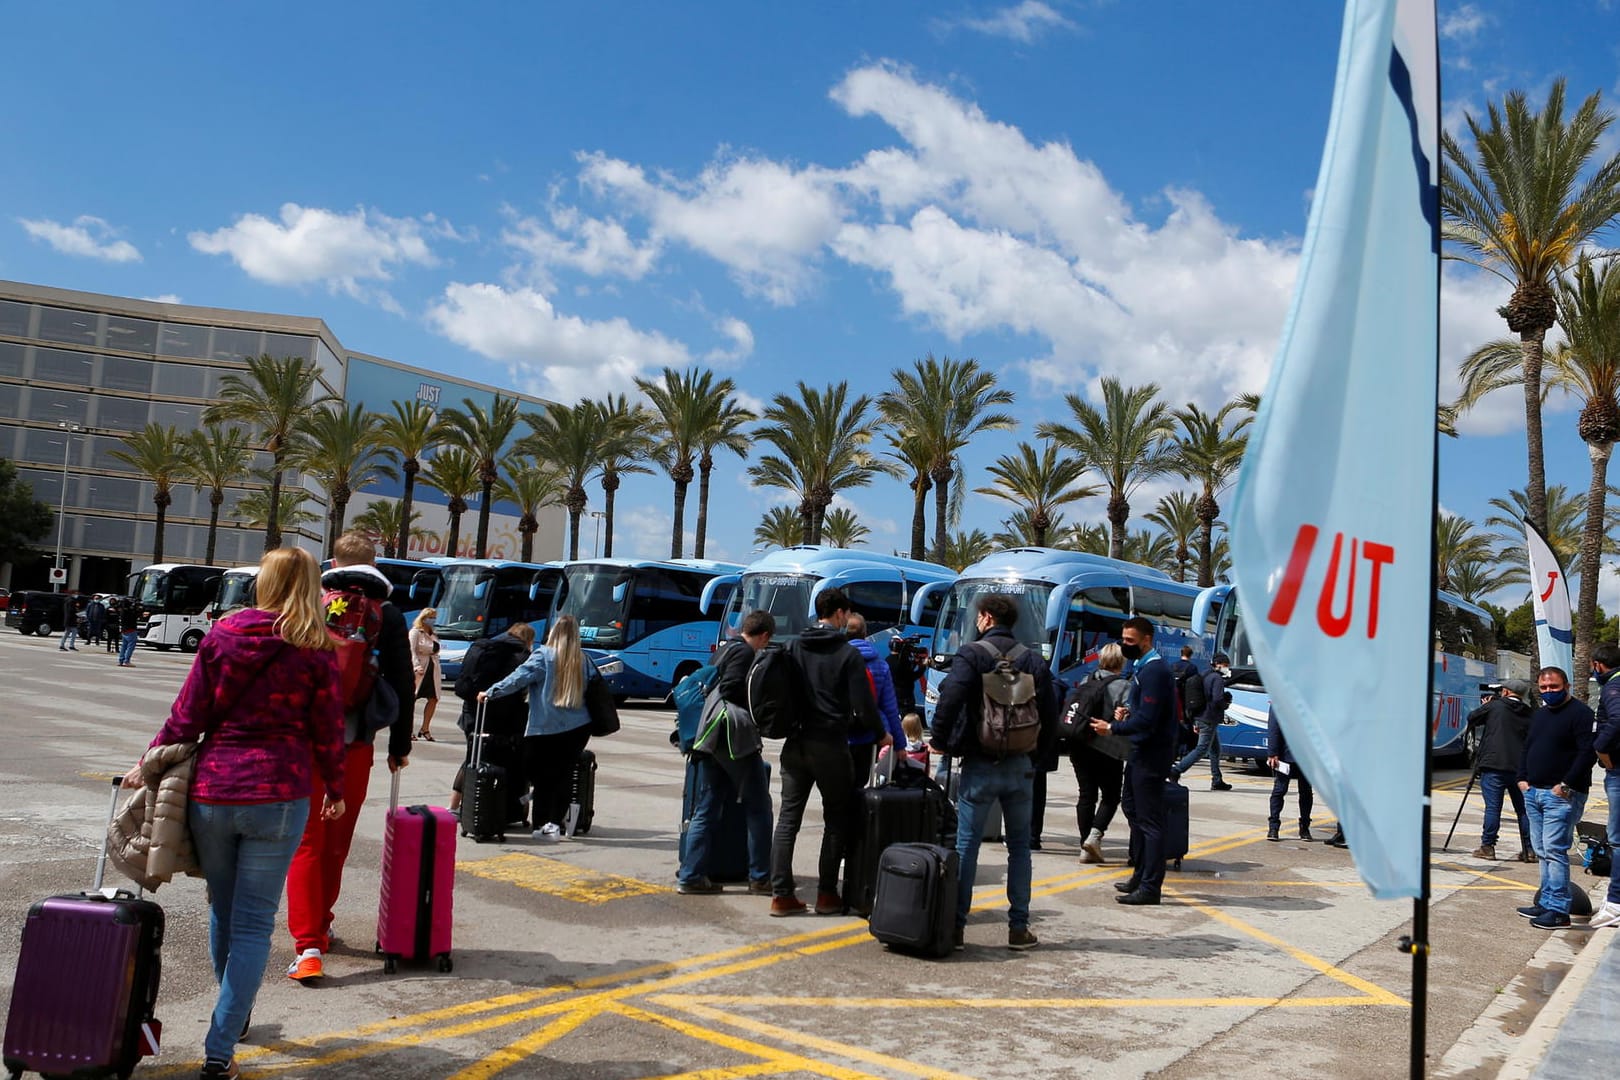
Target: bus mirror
{"x":940,"y":662}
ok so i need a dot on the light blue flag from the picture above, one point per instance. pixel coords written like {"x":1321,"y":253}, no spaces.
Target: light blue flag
{"x":1549,"y":599}
{"x":1332,"y":535}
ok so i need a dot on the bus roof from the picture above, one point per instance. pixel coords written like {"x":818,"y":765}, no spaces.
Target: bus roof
{"x":168,"y":566}
{"x":1054,"y":565}
{"x":243,"y":571}
{"x":706,"y":566}
{"x":823,"y":561}
{"x":495,"y":564}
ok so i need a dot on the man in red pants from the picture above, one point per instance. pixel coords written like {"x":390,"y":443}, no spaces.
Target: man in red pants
{"x":316,"y":874}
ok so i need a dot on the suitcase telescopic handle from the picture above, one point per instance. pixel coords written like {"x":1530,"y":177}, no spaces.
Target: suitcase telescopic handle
{"x":112,"y":812}
{"x":393,"y":792}
{"x":480,"y":711}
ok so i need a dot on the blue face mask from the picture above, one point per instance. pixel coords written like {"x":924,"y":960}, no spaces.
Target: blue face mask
{"x":1553,"y":698}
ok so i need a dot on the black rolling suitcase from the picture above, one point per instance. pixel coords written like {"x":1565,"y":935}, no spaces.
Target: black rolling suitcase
{"x":950,"y":775}
{"x":484,"y":790}
{"x":1177,"y":821}
{"x":888,"y":815}
{"x":582,"y":797}
{"x":914,"y":910}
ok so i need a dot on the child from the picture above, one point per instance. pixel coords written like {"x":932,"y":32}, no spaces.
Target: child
{"x":916,"y":749}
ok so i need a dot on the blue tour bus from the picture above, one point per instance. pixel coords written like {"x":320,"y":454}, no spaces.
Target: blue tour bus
{"x":1070,"y":605}
{"x":414,"y":585}
{"x":639,"y":619}
{"x":1464,"y":659}
{"x":479,"y":598}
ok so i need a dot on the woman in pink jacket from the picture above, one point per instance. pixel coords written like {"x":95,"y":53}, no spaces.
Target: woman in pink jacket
{"x":262,"y":699}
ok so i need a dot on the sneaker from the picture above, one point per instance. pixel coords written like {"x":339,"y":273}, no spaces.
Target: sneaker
{"x":1271,"y":834}
{"x":1485,"y":851}
{"x":1305,"y":833}
{"x":699,"y":887}
{"x":958,"y":940}
{"x":1019,"y":939}
{"x":548,"y":832}
{"x":1607,"y":915}
{"x":762,"y":887}
{"x":1091,"y":852}
{"x":1551,"y":920}
{"x":215,"y":1070}
{"x":1034,"y":843}
{"x":307,"y":967}
{"x":1220,"y":785}
{"x":829,"y":903}
{"x":1532,"y":911}
{"x":788,"y":905}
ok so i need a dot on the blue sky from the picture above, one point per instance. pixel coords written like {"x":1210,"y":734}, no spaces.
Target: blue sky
{"x":560,"y":197}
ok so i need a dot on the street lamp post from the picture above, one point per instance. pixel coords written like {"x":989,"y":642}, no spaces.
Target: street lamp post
{"x":596,"y":545}
{"x":68,"y":431}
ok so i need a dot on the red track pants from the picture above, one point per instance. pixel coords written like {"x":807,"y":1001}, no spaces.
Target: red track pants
{"x":316,"y":874}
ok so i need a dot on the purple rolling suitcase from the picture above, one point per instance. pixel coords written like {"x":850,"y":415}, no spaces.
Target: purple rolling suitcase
{"x":86,"y":983}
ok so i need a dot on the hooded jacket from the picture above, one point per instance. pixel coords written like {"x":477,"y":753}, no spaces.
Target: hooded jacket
{"x":1507,"y":723}
{"x":488,"y":661}
{"x":840,"y":703}
{"x":149,"y":841}
{"x":264,"y":711}
{"x":883,"y":689}
{"x":393,"y":656}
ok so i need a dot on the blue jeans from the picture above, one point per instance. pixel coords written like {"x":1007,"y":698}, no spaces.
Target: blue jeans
{"x":126,"y":652}
{"x":715,"y":790}
{"x":1552,"y":824}
{"x":1010,"y":781}
{"x":1492,"y":784}
{"x":1209,"y":742}
{"x":70,"y":637}
{"x":244,"y":851}
{"x":1611,"y":786}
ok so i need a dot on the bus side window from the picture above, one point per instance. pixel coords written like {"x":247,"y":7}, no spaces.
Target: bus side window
{"x":660,"y":601}
{"x":879,"y":601}
{"x":1448,"y":629}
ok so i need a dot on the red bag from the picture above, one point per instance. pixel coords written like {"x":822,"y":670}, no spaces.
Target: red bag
{"x":354,"y":621}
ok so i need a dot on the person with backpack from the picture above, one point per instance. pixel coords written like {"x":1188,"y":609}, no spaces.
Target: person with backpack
{"x":863,"y":744}
{"x":1215,"y":699}
{"x":374,"y":672}
{"x":487,"y":662}
{"x":834,"y":700}
{"x":1149,"y":718}
{"x":997,"y":711}
{"x":1098,"y":761}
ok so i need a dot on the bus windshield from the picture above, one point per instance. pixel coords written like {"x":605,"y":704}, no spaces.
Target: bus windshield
{"x":464,"y":600}
{"x":1232,"y":638}
{"x":962,"y":608}
{"x":785,"y":596}
{"x":150,"y":588}
{"x":598,"y":597}
{"x":235,"y":591}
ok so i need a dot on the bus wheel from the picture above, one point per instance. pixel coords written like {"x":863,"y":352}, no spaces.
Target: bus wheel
{"x":190,"y":642}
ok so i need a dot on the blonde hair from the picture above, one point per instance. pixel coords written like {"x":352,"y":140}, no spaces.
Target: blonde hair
{"x":911,"y":724}
{"x":568,"y":664}
{"x":523,"y":632}
{"x":290,"y":585}
{"x":354,"y":549}
{"x":1111,"y":658}
{"x":423,"y":616}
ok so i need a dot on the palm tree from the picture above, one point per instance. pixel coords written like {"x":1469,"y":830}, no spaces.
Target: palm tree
{"x":158,"y":453}
{"x":624,"y":445}
{"x":1037,"y":483}
{"x":1475,"y":579}
{"x":723,"y":431}
{"x":963,"y":549}
{"x":1566,"y":518}
{"x":411,"y":434}
{"x":531,"y":485}
{"x":1520,"y":207}
{"x":343,"y":449}
{"x":1209,"y":450}
{"x":1019,"y":529}
{"x":483,"y":434}
{"x":1178,"y":515}
{"x":454,"y":473}
{"x":253,"y":509}
{"x":1456,"y":543}
{"x":270,"y":397}
{"x":685,"y":405}
{"x":844,"y":529}
{"x":910,"y":454}
{"x":941,"y":405}
{"x":569,"y":439}
{"x":780,"y":527}
{"x":821,"y":438}
{"x":386,"y":519}
{"x":215,"y":458}
{"x":1145,"y":548}
{"x":1086,"y":539}
{"x":1128,"y":441}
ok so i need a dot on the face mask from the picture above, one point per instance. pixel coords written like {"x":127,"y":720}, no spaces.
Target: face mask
{"x":1131,"y":652}
{"x":1553,"y":698}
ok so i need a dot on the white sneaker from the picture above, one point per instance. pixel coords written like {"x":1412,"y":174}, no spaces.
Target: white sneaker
{"x":548,"y":832}
{"x":1607,"y":915}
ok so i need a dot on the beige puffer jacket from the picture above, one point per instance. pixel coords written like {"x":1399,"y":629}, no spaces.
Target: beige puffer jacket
{"x":149,"y":841}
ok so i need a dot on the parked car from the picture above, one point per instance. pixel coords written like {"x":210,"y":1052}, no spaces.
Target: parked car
{"x":36,"y":612}
{"x":5,"y":599}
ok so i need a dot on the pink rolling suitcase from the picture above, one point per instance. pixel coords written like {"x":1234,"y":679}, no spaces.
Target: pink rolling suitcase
{"x":418,"y":883}
{"x":86,"y":983}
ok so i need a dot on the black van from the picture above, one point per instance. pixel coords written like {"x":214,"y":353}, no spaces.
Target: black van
{"x":38,"y":612}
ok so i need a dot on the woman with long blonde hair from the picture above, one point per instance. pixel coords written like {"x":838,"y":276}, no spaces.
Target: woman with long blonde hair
{"x":425,"y":665}
{"x":263,"y":702}
{"x":559,"y":726}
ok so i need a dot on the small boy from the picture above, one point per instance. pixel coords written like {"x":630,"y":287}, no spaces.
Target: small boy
{"x":916,"y":749}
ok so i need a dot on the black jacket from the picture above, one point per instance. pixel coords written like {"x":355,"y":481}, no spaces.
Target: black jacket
{"x":1154,"y":723}
{"x":1276,"y":741}
{"x":1216,"y":699}
{"x":839,"y":699}
{"x":1559,"y":748}
{"x":731,"y":666}
{"x":1606,"y":740}
{"x":1507,"y":723}
{"x":393,"y":649}
{"x":961,"y":697}
{"x":488,"y":661}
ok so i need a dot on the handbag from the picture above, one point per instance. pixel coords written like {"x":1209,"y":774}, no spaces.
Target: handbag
{"x":599,"y":704}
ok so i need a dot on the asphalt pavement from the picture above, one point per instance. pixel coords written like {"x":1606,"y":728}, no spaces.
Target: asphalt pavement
{"x":577,"y":959}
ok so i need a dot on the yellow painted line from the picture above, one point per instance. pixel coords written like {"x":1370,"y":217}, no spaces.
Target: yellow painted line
{"x":1486,"y":875}
{"x":517,"y":1052}
{"x":783,"y":1060}
{"x":555,"y":877}
{"x":680,"y":1001}
{"x":762,"y":1068}
{"x":1355,"y":982}
{"x":824,"y":1046}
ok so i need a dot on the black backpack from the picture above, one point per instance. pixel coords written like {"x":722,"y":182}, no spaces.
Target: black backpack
{"x":1085,"y":704}
{"x":1190,"y":687}
{"x":775,"y":693}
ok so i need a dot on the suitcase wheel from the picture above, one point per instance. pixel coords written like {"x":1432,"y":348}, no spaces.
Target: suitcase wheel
{"x":377,"y":948}
{"x":389,"y":964}
{"x":445,"y":963}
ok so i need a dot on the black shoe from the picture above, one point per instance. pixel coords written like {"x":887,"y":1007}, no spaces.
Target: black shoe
{"x":1305,"y":833}
{"x":1034,"y":843}
{"x":700,"y":887}
{"x":1219,"y":785}
{"x":1532,"y":911}
{"x":1338,"y":840}
{"x":1271,"y":834}
{"x":1139,"y":898}
{"x":1125,"y":886}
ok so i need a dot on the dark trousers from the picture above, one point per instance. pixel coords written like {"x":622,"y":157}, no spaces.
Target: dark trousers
{"x":1037,"y":807}
{"x":549,"y":762}
{"x":823,"y":765}
{"x":861,"y":759}
{"x":1144,"y":807}
{"x":1100,"y":778}
{"x":1279,"y":788}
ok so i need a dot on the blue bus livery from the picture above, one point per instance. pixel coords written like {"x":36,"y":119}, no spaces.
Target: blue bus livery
{"x":639,"y":619}
{"x":479,"y":598}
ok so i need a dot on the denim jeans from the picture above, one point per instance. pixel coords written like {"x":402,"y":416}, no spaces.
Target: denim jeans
{"x":244,"y":851}
{"x":1611,"y":787}
{"x":70,"y":637}
{"x":126,"y":653}
{"x":1209,"y":742}
{"x":715,"y":790}
{"x":1552,"y":824}
{"x":984,"y":782}
{"x":1492,"y":784}
{"x":813,"y":764}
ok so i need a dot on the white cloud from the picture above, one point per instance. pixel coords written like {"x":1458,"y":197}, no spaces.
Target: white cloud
{"x":310,"y":244}
{"x":741,"y":343}
{"x":1464,"y":23}
{"x":1468,"y":319}
{"x":88,"y":237}
{"x":597,"y":247}
{"x":1022,"y":23}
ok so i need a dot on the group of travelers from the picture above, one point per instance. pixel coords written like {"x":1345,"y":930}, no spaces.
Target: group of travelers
{"x":110,"y":620}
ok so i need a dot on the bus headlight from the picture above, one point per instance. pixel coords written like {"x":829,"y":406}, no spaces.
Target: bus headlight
{"x":611,"y":667}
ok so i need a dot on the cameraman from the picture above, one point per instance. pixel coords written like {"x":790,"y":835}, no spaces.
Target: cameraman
{"x":1505,"y":716}
{"x":904,"y":670}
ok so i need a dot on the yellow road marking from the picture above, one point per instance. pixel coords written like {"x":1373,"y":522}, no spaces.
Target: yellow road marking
{"x":763,"y":1000}
{"x":1355,"y":982}
{"x":1235,"y":882}
{"x":526,"y":1046}
{"x":1488,"y":876}
{"x":784,"y":1060}
{"x":555,"y":877}
{"x":762,"y":1068}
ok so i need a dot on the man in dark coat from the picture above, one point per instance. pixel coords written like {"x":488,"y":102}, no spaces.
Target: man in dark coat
{"x":1506,"y":720}
{"x":1286,"y":770}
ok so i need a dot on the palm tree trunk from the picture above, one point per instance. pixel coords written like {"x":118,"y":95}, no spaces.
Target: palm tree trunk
{"x":680,"y":519}
{"x":942,"y":502}
{"x":573,"y":534}
{"x":608,"y":495}
{"x":703,"y":510}
{"x":919,"y":515}
{"x":272,"y":517}
{"x":807,"y":519}
{"x":483,"y":519}
{"x":1119,"y":512}
{"x":403,"y":545}
{"x":1591,"y":565}
{"x":157,"y":538}
{"x":340,"y":514}
{"x":454,"y":538}
{"x":528,"y":544}
{"x":1530,"y":345}
{"x":216,"y":498}
{"x":1206,"y":540}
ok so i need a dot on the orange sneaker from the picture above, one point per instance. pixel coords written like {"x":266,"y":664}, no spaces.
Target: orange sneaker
{"x":787,"y":905}
{"x":307,"y":968}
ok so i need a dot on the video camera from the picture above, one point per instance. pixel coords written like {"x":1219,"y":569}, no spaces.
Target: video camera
{"x":913,"y":650}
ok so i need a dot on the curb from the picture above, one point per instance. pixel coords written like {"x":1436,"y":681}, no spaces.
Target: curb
{"x":1538,"y":1038}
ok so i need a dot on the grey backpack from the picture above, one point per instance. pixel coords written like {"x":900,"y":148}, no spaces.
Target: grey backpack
{"x":1009,"y":722}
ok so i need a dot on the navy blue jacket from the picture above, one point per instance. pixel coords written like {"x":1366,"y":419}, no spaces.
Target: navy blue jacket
{"x":1606,"y":740}
{"x":1216,"y":699}
{"x":1153,"y":723}
{"x":1558,"y":749}
{"x":956,"y":716}
{"x":1276,"y":741}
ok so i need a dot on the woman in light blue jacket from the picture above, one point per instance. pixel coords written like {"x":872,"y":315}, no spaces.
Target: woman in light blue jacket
{"x":559,"y":726}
